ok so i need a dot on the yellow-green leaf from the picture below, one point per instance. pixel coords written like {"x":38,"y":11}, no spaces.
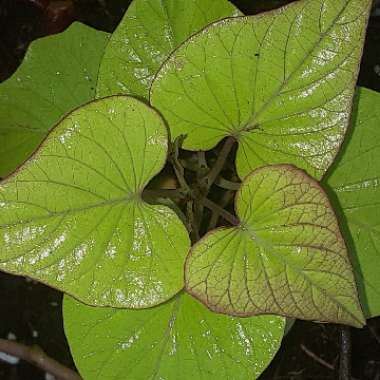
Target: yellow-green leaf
{"x":355,"y":180}
{"x":148,"y":33}
{"x":180,"y":339}
{"x":286,"y":257}
{"x":72,"y":216}
{"x":281,"y":82}
{"x":58,"y":74}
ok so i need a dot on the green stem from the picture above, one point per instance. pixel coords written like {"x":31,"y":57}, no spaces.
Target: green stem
{"x":227,"y":185}
{"x":220,"y":162}
{"x":202,"y":160}
{"x":193,"y":222}
{"x":177,"y":166}
{"x":225,"y":200}
{"x":164,"y":193}
{"x":222,"y":212}
{"x":202,"y":169}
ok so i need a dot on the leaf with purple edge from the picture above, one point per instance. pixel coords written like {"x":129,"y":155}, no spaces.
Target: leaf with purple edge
{"x":286,"y":257}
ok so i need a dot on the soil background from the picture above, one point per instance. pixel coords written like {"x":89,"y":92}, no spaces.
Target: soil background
{"x":31,"y":312}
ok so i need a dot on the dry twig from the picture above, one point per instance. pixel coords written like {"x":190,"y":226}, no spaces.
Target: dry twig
{"x":37,"y":357}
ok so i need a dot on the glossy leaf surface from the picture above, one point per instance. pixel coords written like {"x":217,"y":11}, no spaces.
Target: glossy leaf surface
{"x":282,"y":83}
{"x":58,"y":74}
{"x":148,"y":33}
{"x":286,"y":257}
{"x":72,"y":216}
{"x":180,"y":339}
{"x":355,"y":180}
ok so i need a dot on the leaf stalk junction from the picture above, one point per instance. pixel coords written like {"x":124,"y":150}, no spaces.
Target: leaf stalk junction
{"x":203,"y":192}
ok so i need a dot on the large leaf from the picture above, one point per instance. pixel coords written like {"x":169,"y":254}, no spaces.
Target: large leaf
{"x":149,"y":32}
{"x":180,"y":339}
{"x":355,"y":179}
{"x":72,"y":216}
{"x":58,"y":74}
{"x":282,"y":83}
{"x":286,"y":257}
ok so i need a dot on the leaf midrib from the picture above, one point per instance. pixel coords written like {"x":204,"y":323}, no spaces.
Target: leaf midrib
{"x":270,"y":247}
{"x":169,"y":328}
{"x":254,"y":119}
{"x":110,"y":202}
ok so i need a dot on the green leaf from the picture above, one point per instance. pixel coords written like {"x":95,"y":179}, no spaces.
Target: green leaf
{"x":355,"y":179}
{"x":149,"y":32}
{"x":180,"y":339}
{"x":58,"y":74}
{"x":282,"y":83}
{"x":72,"y":216}
{"x":286,"y":257}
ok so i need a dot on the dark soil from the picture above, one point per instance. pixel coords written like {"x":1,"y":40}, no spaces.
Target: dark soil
{"x":31,"y":312}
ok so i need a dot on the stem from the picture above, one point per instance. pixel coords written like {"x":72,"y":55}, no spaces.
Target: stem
{"x":226,"y":199}
{"x":202,"y":160}
{"x":177,"y":166}
{"x":185,"y":188}
{"x":194,"y":225}
{"x":164,"y":193}
{"x":202,"y":169}
{"x":222,"y":212}
{"x":198,"y":208}
{"x":317,"y":358}
{"x":220,"y":162}
{"x":37,"y":357}
{"x":373,"y":332}
{"x":345,"y":354}
{"x":227,"y":185}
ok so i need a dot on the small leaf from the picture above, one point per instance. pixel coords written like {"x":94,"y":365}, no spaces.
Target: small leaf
{"x":355,"y":179}
{"x":180,"y":339}
{"x":72,"y":216}
{"x":282,"y":83}
{"x":58,"y":74}
{"x":287,"y":256}
{"x":148,"y":33}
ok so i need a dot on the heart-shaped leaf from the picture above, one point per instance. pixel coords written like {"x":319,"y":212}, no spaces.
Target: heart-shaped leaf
{"x":148,"y":33}
{"x":282,"y":83}
{"x":57,"y":75}
{"x":180,"y":339}
{"x":286,"y":257}
{"x":72,"y":216}
{"x":355,"y":179}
